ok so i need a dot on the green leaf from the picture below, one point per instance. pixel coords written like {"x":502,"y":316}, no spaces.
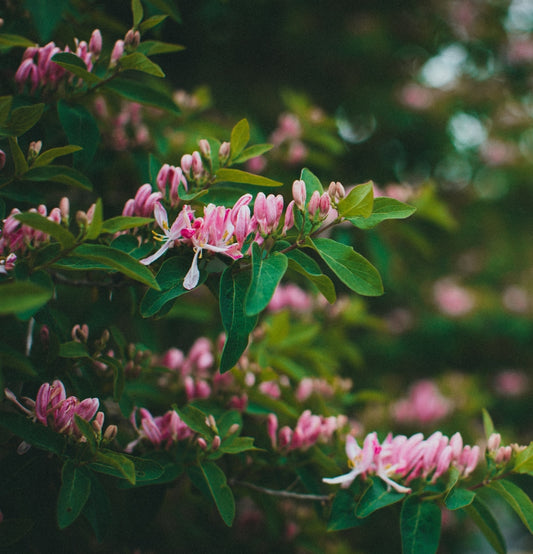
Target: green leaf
{"x":35,"y":434}
{"x":5,"y":107}
{"x":122,"y":223}
{"x":420,"y":524}
{"x":196,"y":420}
{"x":137,"y":11}
{"x":524,"y":461}
{"x":15,"y":40}
{"x":168,"y":7}
{"x":375,"y":497}
{"x":73,"y":349}
{"x":220,"y":492}
{"x":266,"y":275}
{"x":486,"y":523}
{"x":225,"y":175}
{"x":73,"y":494}
{"x":517,"y":499}
{"x":343,"y":512}
{"x":87,"y":431}
{"x":50,"y":155}
{"x":97,"y":509}
{"x":252,"y":152}
{"x":81,"y":129}
{"x":384,"y":208}
{"x":143,"y":93}
{"x":305,"y":265}
{"x":355,"y":271}
{"x":240,"y":136}
{"x":153,"y":47}
{"x":234,"y":445}
{"x":139,"y":62}
{"x":238,"y":325}
{"x":38,"y":221}
{"x":76,"y":66}
{"x":14,"y":529}
{"x":44,"y":19}
{"x":488,"y":426}
{"x":459,"y":498}
{"x":22,"y":119}
{"x":95,"y":227}
{"x":312,"y":182}
{"x":19,"y":160}
{"x":115,"y":464}
{"x":151,"y":22}
{"x":21,"y":296}
{"x":359,"y":202}
{"x":170,"y":279}
{"x":59,"y":174}
{"x":118,"y":260}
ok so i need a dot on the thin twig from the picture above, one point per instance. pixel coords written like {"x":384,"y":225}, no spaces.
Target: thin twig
{"x":283,"y":494}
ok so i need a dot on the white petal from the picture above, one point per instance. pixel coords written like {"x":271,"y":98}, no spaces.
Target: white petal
{"x":161,"y":216}
{"x":193,"y":275}
{"x":158,"y":254}
{"x":346,"y":479}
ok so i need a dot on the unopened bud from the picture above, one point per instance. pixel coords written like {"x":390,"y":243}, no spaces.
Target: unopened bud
{"x":314,"y":203}
{"x":81,"y":218}
{"x":336,"y":191}
{"x":2,"y":159}
{"x":95,"y":43}
{"x":494,"y":441}
{"x":80,"y":333}
{"x":98,"y":422}
{"x":1,"y":21}
{"x":234,"y":429}
{"x":325,"y":205}
{"x":299,"y":193}
{"x":132,"y":38}
{"x":215,"y":445}
{"x":205,"y":148}
{"x":64,"y":208}
{"x":223,"y":152}
{"x":186,"y":164}
{"x":116,"y":54}
{"x":201,"y":443}
{"x":34,"y":149}
{"x":110,"y":433}
{"x":211,"y":423}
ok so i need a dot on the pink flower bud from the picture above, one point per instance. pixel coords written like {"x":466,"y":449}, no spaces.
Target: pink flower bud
{"x":289,"y":217}
{"x":314,"y":203}
{"x":116,"y":54}
{"x":2,"y":159}
{"x":95,"y":43}
{"x":64,"y":208}
{"x":132,"y":38}
{"x":272,"y":427}
{"x":110,"y":433}
{"x":162,"y":178}
{"x":201,"y":443}
{"x":34,"y":148}
{"x":494,"y":442}
{"x":186,"y":164}
{"x":224,"y":152}
{"x":299,"y":193}
{"x":336,"y":192}
{"x":325,"y":205}
{"x":205,"y":148}
{"x":197,"y":165}
{"x":215,"y":445}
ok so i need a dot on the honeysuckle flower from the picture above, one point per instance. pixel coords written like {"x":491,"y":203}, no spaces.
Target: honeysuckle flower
{"x":170,"y":234}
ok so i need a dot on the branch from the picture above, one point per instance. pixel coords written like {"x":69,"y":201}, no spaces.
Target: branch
{"x":283,"y":494}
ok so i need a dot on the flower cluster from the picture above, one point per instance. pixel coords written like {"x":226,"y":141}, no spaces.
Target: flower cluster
{"x":54,"y":409}
{"x":407,"y":458}
{"x":162,"y":430}
{"x":309,"y":430}
{"x":424,"y":404}
{"x":38,"y":69}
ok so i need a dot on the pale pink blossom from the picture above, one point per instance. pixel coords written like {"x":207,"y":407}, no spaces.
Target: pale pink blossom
{"x":425,"y":404}
{"x":511,"y":382}
{"x":452,"y":299}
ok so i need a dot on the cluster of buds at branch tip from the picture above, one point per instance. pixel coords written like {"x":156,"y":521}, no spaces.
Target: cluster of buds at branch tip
{"x":33,"y":150}
{"x":80,"y":333}
{"x":132,"y":39}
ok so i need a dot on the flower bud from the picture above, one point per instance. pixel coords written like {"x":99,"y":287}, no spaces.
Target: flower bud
{"x":64,"y":208}
{"x":201,"y":443}
{"x":224,"y":152}
{"x":132,"y":38}
{"x":494,"y":442}
{"x":215,"y":445}
{"x":186,"y":164}
{"x":34,"y":149}
{"x":110,"y":433}
{"x":234,"y":429}
{"x":95,"y":43}
{"x":116,"y":54}
{"x":2,"y":159}
{"x":314,"y":203}
{"x":197,"y":165}
{"x":299,"y":193}
{"x":336,"y":192}
{"x":205,"y":148}
{"x":325,"y":205}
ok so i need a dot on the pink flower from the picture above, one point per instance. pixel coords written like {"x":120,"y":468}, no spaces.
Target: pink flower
{"x":425,"y":404}
{"x":451,"y":298}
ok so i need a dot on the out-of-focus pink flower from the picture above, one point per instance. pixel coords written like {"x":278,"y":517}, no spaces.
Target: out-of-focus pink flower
{"x":256,"y":165}
{"x":292,"y":297}
{"x":425,"y":404}
{"x":511,"y":382}
{"x":2,"y":159}
{"x":270,"y":388}
{"x":416,"y":97}
{"x":451,"y":298}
